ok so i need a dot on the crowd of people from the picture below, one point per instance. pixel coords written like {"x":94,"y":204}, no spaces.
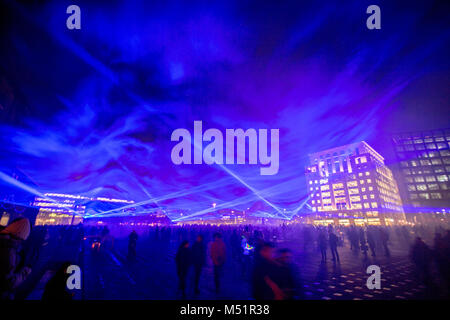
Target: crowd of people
{"x":261,"y":254}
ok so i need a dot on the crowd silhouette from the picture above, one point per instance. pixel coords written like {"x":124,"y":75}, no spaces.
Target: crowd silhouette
{"x":262,"y":255}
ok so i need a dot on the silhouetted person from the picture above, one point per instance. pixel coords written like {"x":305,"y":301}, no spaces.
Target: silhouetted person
{"x":333,"y":241}
{"x":198,"y":259}
{"x":362,"y":241}
{"x":384,"y":237}
{"x":322,"y":242}
{"x":218,"y":256}
{"x":132,"y":241}
{"x":56,"y":287}
{"x":287,"y":277}
{"x":371,"y":241}
{"x":420,"y":255}
{"x":183,"y":261}
{"x":12,"y":273}
{"x":265,"y":273}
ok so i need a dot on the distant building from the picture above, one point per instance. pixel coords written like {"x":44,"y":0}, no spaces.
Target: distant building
{"x":352,"y":185}
{"x":423,"y":173}
{"x":67,"y":209}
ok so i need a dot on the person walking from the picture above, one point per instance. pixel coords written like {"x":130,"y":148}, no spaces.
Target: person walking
{"x":12,"y":274}
{"x":322,"y":242}
{"x":333,"y":242}
{"x":183,"y":262}
{"x":198,"y":260}
{"x":218,"y":256}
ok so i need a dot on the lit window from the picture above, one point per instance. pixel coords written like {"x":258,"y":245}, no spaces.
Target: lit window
{"x":374,"y":205}
{"x":352,"y":184}
{"x":411,"y":187}
{"x":419,"y":179}
{"x":436,"y":195}
{"x":433,"y":186}
{"x":366,"y":205}
{"x":369,"y":180}
{"x":421,"y":187}
{"x":361,"y":181}
{"x":442,"y":178}
{"x":430,"y":178}
{"x":367,"y":173}
{"x":424,"y":196}
{"x":372,"y":196}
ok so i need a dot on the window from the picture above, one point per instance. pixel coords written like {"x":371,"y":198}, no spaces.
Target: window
{"x":404,"y":164}
{"x":413,"y":196}
{"x":436,"y":195}
{"x":441,"y":145}
{"x":436,"y":161}
{"x":433,"y":186}
{"x":406,"y":171}
{"x":409,"y":179}
{"x":353,"y":191}
{"x":338,"y":185}
{"x":425,"y":162}
{"x":366,"y":205}
{"x":325,"y":187}
{"x":442,"y":178}
{"x":438,"y":170}
{"x":367,"y":173}
{"x":374,"y":205}
{"x":430,"y":178}
{"x":361,"y":181}
{"x":414,"y":163}
{"x":411,"y":187}
{"x":355,"y":198}
{"x":420,"y":147}
{"x":430,"y":146}
{"x":419,"y":179}
{"x":365,"y":197}
{"x":369,"y":180}
{"x":326,"y":194}
{"x":433,"y":154}
{"x":424,"y":196}
{"x":372,"y":196}
{"x":445,"y":153}
{"x":339,"y":193}
{"x":421,"y":187}
{"x":352,"y":184}
{"x":370,"y":188}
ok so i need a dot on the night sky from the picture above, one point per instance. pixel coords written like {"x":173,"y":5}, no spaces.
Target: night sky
{"x":91,"y":111}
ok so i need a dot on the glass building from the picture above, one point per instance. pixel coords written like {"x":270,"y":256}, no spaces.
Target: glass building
{"x":352,"y":185}
{"x":423,"y":174}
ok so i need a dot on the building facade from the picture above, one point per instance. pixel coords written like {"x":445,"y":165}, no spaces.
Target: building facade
{"x":67,"y":209}
{"x":423,"y":174}
{"x":352,"y":185}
